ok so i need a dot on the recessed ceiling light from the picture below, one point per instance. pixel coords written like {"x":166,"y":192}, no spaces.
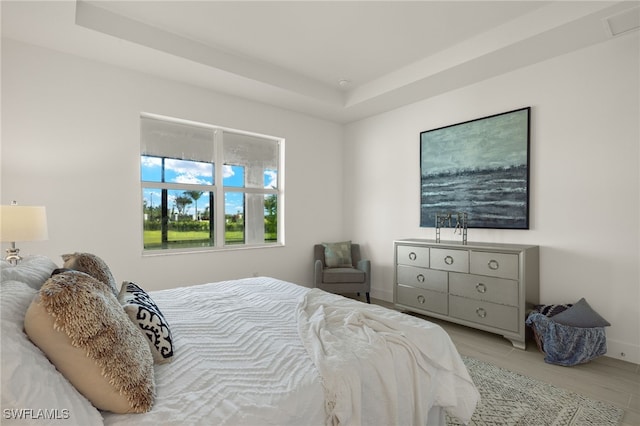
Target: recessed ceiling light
{"x":343,"y":82}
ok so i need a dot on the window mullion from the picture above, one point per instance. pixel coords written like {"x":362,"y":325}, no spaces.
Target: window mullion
{"x":164,"y":230}
{"x":280,"y":194}
{"x":219,"y":189}
{"x":251,"y":190}
{"x":178,"y":186}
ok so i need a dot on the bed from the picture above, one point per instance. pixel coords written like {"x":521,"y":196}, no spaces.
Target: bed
{"x":260,"y":351}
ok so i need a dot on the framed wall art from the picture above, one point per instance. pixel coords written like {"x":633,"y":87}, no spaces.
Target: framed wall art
{"x":479,"y":167}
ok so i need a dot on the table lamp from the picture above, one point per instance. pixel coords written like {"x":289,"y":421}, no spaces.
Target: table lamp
{"x":21,"y":223}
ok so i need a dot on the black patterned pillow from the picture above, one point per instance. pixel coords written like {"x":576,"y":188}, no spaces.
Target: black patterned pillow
{"x":144,"y":313}
{"x":551,"y":310}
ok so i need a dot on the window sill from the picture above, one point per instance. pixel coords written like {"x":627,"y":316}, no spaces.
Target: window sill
{"x":173,"y":252}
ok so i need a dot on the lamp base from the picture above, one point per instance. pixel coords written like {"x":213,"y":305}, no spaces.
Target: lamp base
{"x":12,"y":255}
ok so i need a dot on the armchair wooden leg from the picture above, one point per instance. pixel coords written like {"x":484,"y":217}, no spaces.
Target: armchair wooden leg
{"x":367,"y":295}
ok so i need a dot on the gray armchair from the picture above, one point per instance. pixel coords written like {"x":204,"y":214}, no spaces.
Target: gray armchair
{"x":354,"y":279}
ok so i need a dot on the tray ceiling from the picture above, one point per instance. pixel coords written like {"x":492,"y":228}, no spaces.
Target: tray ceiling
{"x":295,"y":54}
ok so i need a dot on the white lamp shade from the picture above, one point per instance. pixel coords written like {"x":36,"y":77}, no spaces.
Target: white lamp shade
{"x":23,"y":223}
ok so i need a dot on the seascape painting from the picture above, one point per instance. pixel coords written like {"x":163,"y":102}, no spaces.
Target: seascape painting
{"x":479,"y":167}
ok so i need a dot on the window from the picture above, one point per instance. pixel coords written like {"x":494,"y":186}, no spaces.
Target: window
{"x":205,"y":186}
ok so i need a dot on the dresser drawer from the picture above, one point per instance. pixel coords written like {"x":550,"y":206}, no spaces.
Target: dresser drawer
{"x":486,"y":313}
{"x":420,"y":298}
{"x":481,"y":285}
{"x":449,"y":260}
{"x":422,"y":278}
{"x":412,"y":255}
{"x":490,"y":289}
{"x":500,"y":265}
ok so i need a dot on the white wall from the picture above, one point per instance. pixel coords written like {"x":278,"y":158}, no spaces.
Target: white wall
{"x":585,"y":184}
{"x":70,"y":141}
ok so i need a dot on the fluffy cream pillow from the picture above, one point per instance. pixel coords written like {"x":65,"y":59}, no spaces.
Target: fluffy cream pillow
{"x":81,"y":327}
{"x":92,"y":265}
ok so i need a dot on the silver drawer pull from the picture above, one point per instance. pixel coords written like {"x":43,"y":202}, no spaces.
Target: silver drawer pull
{"x":421,"y":299}
{"x":412,"y":256}
{"x":481,"y":312}
{"x":420,"y":278}
{"x":448,"y":260}
{"x":481,"y":288}
{"x":493,"y":264}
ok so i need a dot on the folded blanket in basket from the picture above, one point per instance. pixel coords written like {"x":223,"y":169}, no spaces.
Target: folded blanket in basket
{"x":567,"y":345}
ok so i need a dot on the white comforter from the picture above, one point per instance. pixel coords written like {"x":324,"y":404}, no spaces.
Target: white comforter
{"x":260,"y":351}
{"x":238,"y":359}
{"x":380,"y":367}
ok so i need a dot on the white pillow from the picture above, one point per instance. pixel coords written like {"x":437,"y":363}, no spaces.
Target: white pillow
{"x":30,"y":383}
{"x":31,"y":270}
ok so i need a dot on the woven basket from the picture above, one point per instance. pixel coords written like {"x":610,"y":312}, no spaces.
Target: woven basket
{"x":538,"y":339}
{"x":549,"y":311}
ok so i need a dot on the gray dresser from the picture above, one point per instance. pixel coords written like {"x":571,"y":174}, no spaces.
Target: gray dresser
{"x":480,"y":285}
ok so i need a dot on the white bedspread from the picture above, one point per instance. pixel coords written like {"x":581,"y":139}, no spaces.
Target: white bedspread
{"x":380,"y":367}
{"x":239,"y":360}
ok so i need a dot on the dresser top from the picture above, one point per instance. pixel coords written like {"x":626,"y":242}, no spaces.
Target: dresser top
{"x":469,"y":245}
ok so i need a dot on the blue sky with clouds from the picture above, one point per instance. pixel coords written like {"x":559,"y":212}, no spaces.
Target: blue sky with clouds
{"x":192,"y":172}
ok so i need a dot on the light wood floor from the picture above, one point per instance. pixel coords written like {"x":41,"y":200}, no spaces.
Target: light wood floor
{"x":605,"y":379}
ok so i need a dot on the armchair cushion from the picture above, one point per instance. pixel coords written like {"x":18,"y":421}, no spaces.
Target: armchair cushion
{"x":338,"y":255}
{"x":343,"y":275}
{"x":354,"y":277}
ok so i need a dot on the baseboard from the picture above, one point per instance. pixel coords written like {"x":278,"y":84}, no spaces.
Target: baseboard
{"x":623,"y":351}
{"x":384,"y":295}
{"x":615,"y":349}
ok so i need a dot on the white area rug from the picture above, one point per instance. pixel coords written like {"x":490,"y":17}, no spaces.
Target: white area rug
{"x":510,"y":398}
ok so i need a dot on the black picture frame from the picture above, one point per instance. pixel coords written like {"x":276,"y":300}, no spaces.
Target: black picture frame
{"x":480,"y":167}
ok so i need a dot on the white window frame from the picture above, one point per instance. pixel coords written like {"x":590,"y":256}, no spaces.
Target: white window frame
{"x":219,"y":191}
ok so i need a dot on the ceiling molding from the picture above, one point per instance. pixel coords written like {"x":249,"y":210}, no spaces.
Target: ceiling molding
{"x":83,"y":28}
{"x":102,"y":20}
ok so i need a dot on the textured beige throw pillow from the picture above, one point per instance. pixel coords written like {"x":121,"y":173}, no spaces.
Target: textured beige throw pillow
{"x":81,"y":327}
{"x":92,"y":265}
